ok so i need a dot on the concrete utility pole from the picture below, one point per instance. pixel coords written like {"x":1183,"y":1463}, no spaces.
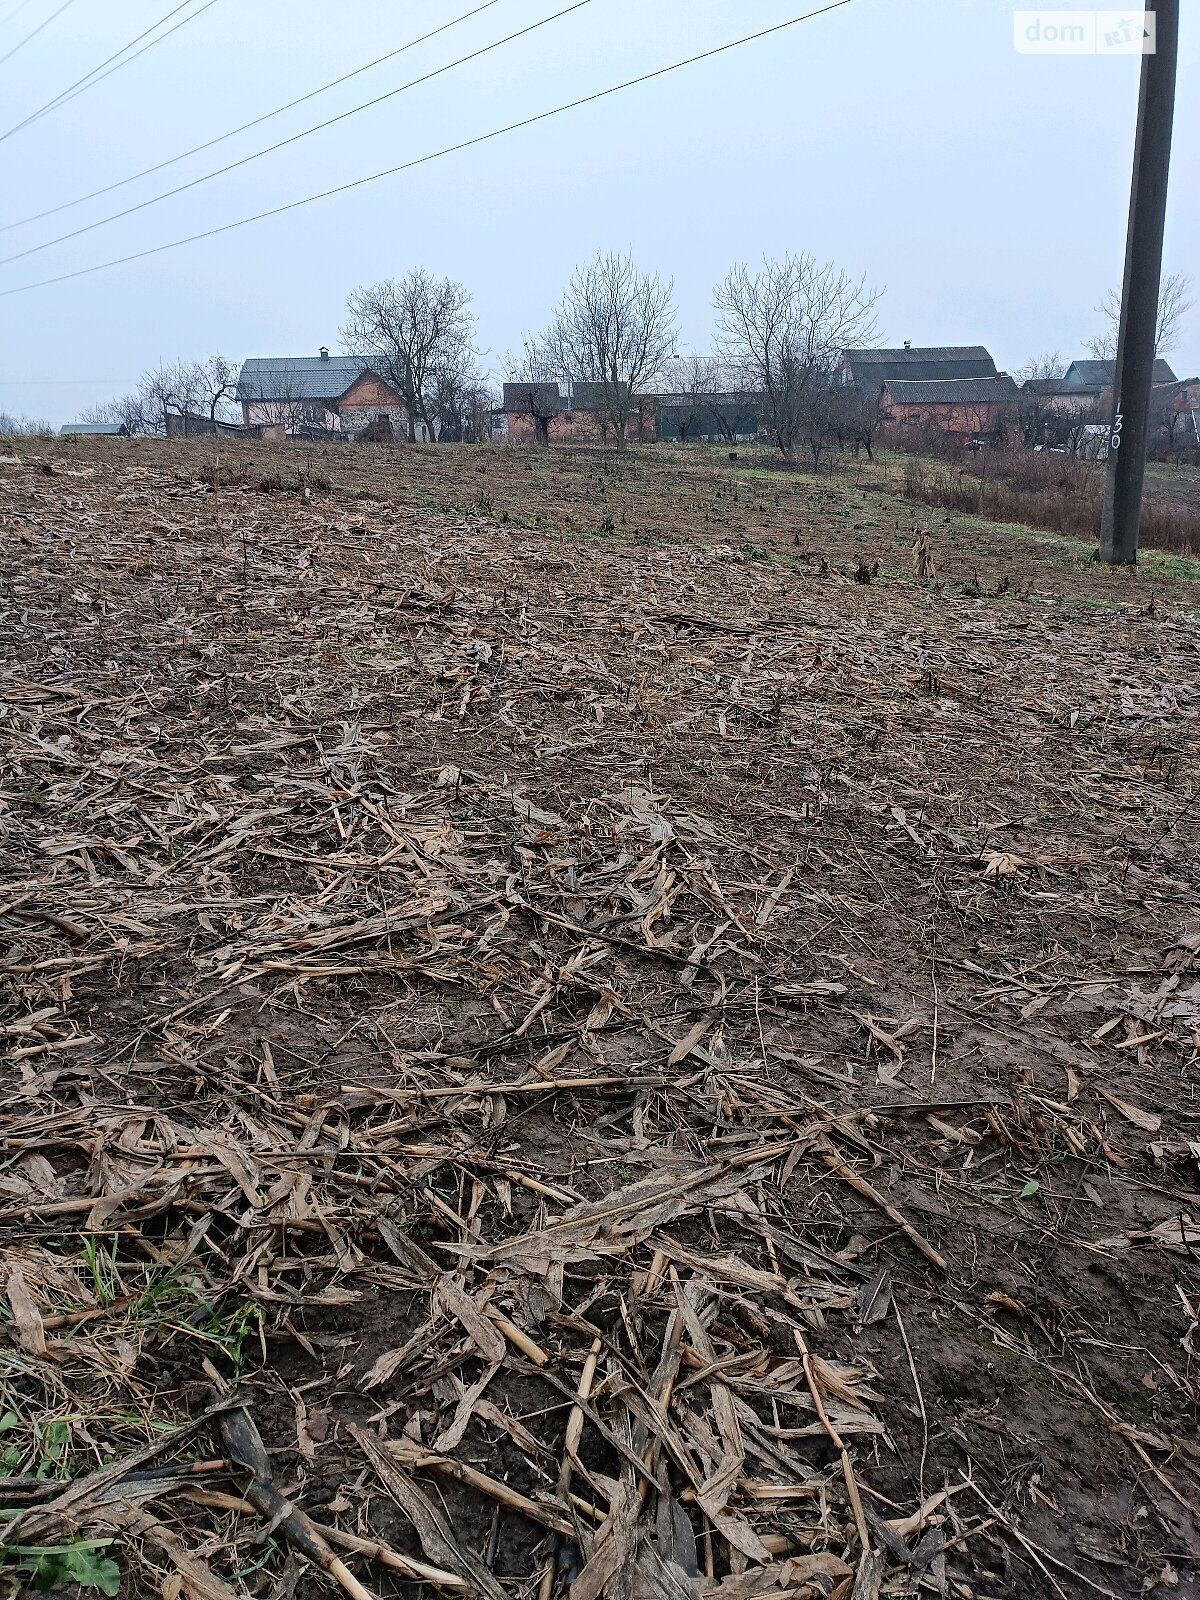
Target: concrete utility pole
{"x":1139,"y":294}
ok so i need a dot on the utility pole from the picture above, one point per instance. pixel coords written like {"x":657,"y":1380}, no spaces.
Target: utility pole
{"x":1139,"y":293}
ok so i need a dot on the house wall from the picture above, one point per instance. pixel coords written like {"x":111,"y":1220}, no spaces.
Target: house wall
{"x":1182,"y":396}
{"x":1081,"y":400}
{"x":965,"y":419}
{"x":355,"y":418}
{"x":370,"y":393}
{"x":568,"y":427}
{"x":368,"y":399}
{"x":581,"y":427}
{"x":277,"y":413}
{"x":742,"y":424}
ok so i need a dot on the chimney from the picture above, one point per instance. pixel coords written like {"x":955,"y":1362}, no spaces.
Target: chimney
{"x":907,"y":346}
{"x":324,"y":352}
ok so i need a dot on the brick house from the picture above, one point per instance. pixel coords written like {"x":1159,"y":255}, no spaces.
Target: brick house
{"x":323,"y":393}
{"x":1181,"y":395}
{"x":533,"y":412}
{"x":1056,"y":394}
{"x":1175,"y":412}
{"x":967,"y":407}
{"x":541,"y":413}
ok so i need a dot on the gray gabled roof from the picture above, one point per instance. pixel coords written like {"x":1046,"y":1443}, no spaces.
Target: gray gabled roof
{"x":720,"y":401}
{"x":112,"y":430}
{"x":913,"y":355}
{"x":588,"y":396}
{"x":282,"y":378}
{"x":871,"y":368}
{"x":545,"y":397}
{"x":951,"y":391}
{"x":1099,"y":374}
{"x":1049,"y":386}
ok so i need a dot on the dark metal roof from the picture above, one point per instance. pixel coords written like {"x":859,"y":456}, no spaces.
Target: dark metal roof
{"x":546,"y":398}
{"x":1099,"y":374}
{"x":111,"y":430}
{"x":1049,"y":386}
{"x":718,"y":401}
{"x":282,"y":378}
{"x":591,"y":396}
{"x":912,"y":355}
{"x":951,"y":391}
{"x":869,"y":369}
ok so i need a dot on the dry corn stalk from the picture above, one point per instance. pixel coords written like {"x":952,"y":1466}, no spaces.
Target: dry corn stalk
{"x":923,"y":564}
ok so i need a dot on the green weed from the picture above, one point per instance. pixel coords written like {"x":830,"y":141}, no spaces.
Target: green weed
{"x":50,"y":1566}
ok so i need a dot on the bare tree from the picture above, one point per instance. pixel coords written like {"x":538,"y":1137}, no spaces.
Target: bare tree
{"x":157,"y":391}
{"x":1169,"y":418}
{"x":1073,"y":430}
{"x":479,"y":401}
{"x":23,"y":427}
{"x":282,"y":405}
{"x":219,"y":378}
{"x":1174,"y":303}
{"x":186,"y":389}
{"x":1041,"y":368}
{"x":1174,"y":419}
{"x":855,"y":415}
{"x":454,"y":381}
{"x":128,"y":409}
{"x":179,"y":387}
{"x":614,"y":330}
{"x":531,"y":380}
{"x":785,"y":327}
{"x":694,"y":382}
{"x":819,"y":416}
{"x":415,"y":332}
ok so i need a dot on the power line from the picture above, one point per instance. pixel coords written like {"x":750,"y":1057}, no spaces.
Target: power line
{"x":50,"y":104}
{"x":4,"y":21}
{"x":97,"y":74}
{"x":129,"y":60}
{"x":405,"y":166}
{"x":171,"y":161}
{"x":36,"y":31}
{"x":319,"y":127}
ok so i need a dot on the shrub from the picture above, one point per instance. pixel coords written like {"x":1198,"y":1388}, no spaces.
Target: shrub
{"x":1042,"y":489}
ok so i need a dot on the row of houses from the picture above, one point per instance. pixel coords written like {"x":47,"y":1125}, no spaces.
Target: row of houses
{"x":341,"y":395}
{"x":957,"y":390}
{"x":953,"y":389}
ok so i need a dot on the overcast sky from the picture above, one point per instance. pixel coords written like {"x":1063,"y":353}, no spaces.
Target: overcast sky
{"x":986,"y":191}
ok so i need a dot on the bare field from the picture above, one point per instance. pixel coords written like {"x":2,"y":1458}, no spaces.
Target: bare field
{"x":558,"y":1042}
